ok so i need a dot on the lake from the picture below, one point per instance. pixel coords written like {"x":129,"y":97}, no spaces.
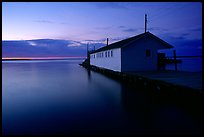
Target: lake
{"x":187,"y":64}
{"x":49,"y":97}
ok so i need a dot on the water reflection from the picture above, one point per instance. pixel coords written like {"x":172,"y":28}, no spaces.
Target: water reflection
{"x":89,"y":74}
{"x":150,"y":115}
{"x":61,"y":97}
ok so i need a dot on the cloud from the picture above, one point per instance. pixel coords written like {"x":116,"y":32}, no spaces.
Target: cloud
{"x":94,"y":41}
{"x":57,"y":47}
{"x":181,"y":40}
{"x":110,"y":5}
{"x":27,"y":50}
{"x":130,"y":30}
{"x":178,"y":37}
{"x":104,"y":28}
{"x":118,"y":38}
{"x":45,"y":47}
{"x":126,"y":29}
{"x":63,"y":23}
{"x":121,"y":27}
{"x":74,"y":44}
{"x":196,"y":29}
{"x":50,"y":22}
{"x":157,"y":29}
{"x":189,"y":47}
{"x":185,"y":34}
{"x":44,"y":21}
{"x":32,"y":43}
{"x":103,"y":40}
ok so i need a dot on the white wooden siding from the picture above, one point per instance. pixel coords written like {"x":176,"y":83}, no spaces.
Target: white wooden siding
{"x":109,"y":62}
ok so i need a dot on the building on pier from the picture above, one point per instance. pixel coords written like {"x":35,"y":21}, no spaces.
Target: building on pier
{"x":132,"y":54}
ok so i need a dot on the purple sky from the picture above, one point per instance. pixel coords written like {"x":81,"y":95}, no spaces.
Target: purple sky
{"x":178,"y":23}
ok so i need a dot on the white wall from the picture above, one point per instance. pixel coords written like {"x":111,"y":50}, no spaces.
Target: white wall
{"x":134,"y":56}
{"x":113,"y":63}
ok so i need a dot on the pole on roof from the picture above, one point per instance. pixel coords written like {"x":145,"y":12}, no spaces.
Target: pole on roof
{"x":107,"y":41}
{"x":87,"y":50}
{"x":145,"y":23}
{"x":88,"y":55}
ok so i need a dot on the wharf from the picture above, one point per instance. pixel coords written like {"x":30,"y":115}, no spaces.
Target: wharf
{"x":180,"y":78}
{"x":175,"y":87}
{"x":163,"y":80}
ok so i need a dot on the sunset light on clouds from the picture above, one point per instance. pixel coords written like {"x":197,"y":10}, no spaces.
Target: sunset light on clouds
{"x":71,"y":25}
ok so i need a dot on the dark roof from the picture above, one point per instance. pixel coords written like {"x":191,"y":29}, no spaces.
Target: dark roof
{"x":128,"y":41}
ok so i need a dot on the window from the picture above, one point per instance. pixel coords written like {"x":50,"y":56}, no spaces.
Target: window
{"x":102,"y":54}
{"x":108,"y":54}
{"x":111,"y":53}
{"x":148,"y":52}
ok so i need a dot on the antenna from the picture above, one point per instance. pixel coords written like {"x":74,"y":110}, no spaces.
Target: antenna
{"x":107,"y":41}
{"x":145,"y":23}
{"x":87,"y":49}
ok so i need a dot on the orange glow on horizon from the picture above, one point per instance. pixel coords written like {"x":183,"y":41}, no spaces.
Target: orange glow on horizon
{"x":65,"y":57}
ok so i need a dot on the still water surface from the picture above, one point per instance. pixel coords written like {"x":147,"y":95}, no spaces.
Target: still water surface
{"x":188,"y":64}
{"x":60,"y":97}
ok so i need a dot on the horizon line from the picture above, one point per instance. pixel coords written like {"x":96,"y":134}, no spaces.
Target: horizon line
{"x":60,"y":57}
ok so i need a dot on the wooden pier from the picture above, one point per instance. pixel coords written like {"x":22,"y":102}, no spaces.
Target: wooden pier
{"x":177,"y":78}
{"x":181,"y":88}
{"x":158,"y":80}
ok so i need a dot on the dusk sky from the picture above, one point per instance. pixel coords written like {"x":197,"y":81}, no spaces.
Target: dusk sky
{"x":64,"y":28}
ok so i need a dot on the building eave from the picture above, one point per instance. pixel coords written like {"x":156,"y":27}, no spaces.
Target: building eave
{"x":133,"y":39}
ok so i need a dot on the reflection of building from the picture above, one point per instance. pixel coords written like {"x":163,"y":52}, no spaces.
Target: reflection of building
{"x":132,"y":54}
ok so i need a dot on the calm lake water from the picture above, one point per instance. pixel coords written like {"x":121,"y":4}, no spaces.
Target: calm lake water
{"x":187,"y":64}
{"x":61,"y":97}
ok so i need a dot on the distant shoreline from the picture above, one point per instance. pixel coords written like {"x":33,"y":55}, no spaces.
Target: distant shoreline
{"x":14,"y":59}
{"x":40,"y":59}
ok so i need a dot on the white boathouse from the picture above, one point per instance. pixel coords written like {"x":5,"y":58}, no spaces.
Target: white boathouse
{"x":138,"y":53}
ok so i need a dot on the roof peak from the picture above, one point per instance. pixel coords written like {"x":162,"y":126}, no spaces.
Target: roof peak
{"x":125,"y":42}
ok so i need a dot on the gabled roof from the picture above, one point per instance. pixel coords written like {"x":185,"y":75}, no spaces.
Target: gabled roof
{"x":128,"y":41}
